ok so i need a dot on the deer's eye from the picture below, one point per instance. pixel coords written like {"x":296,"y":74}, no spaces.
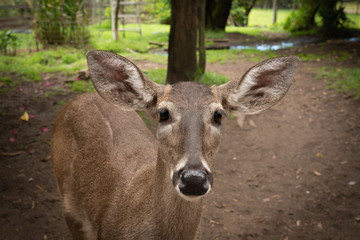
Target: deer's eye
{"x":218,"y":115}
{"x":164,"y":115}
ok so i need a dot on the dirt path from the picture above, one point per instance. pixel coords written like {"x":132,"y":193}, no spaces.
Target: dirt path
{"x":291,"y":172}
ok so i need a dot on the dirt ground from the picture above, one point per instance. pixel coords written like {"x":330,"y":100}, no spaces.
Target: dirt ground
{"x":291,"y":172}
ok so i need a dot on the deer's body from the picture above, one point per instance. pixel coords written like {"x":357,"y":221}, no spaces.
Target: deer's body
{"x":117,"y":181}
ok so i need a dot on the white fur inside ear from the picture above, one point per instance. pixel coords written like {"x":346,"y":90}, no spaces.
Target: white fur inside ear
{"x":134,"y":77}
{"x":250,"y":80}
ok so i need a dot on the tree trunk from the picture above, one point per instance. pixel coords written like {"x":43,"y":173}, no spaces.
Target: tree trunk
{"x":182,"y":63}
{"x":275,"y":10}
{"x":202,"y":51}
{"x":116,"y":30}
{"x":217,"y":13}
{"x":248,"y":8}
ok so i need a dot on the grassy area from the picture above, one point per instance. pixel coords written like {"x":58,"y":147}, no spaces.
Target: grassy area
{"x":342,"y":79}
{"x":264,"y":17}
{"x":30,"y":66}
{"x":68,"y":60}
{"x":209,"y":78}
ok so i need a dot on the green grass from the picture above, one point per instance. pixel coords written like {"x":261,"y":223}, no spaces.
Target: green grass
{"x":264,"y":17}
{"x":329,"y":56}
{"x":354,"y":20}
{"x":81,"y":86}
{"x":56,"y":91}
{"x":30,"y":66}
{"x":209,"y":78}
{"x":233,"y":55}
{"x":157,"y":75}
{"x":342,"y":79}
{"x":135,"y":42}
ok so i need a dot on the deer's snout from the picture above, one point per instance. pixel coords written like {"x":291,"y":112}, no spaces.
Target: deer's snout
{"x":193,"y":182}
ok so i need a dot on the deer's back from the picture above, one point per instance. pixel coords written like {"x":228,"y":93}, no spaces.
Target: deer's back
{"x":98,"y":151}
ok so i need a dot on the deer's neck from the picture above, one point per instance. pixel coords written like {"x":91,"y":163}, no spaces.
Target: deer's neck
{"x":178,"y":218}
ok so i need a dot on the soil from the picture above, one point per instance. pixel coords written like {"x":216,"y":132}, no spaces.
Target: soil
{"x":291,"y":172}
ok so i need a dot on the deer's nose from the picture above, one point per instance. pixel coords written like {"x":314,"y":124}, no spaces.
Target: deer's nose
{"x":193,"y":182}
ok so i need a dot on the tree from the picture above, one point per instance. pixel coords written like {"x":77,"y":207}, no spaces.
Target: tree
{"x":217,"y":13}
{"x":240,"y":11}
{"x":202,"y":53}
{"x":275,"y":10}
{"x":333,"y":17}
{"x":182,"y":64}
{"x":116,"y":30}
{"x":304,"y":17}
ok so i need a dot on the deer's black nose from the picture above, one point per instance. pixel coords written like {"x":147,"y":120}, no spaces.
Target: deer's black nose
{"x":194,"y":182}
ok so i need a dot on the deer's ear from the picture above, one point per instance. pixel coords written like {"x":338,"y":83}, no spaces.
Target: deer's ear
{"x":120,"y":82}
{"x":261,"y":87}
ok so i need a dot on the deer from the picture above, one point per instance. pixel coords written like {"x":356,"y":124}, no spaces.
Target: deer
{"x":119,"y":181}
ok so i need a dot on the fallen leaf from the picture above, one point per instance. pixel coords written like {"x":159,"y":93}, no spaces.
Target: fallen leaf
{"x":319,"y":155}
{"x":40,"y":187}
{"x":235,"y":200}
{"x":320,"y":226}
{"x":266,"y":200}
{"x":298,"y":223}
{"x":25,"y":117}
{"x":259,"y":220}
{"x":317,"y":173}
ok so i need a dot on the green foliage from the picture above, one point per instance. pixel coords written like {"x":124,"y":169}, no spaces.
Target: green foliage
{"x":333,"y":17}
{"x":8,"y":81}
{"x":240,"y":10}
{"x":238,"y":15}
{"x":60,"y":22}
{"x":159,"y":10}
{"x":8,"y":41}
{"x":81,"y":86}
{"x":342,"y":80}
